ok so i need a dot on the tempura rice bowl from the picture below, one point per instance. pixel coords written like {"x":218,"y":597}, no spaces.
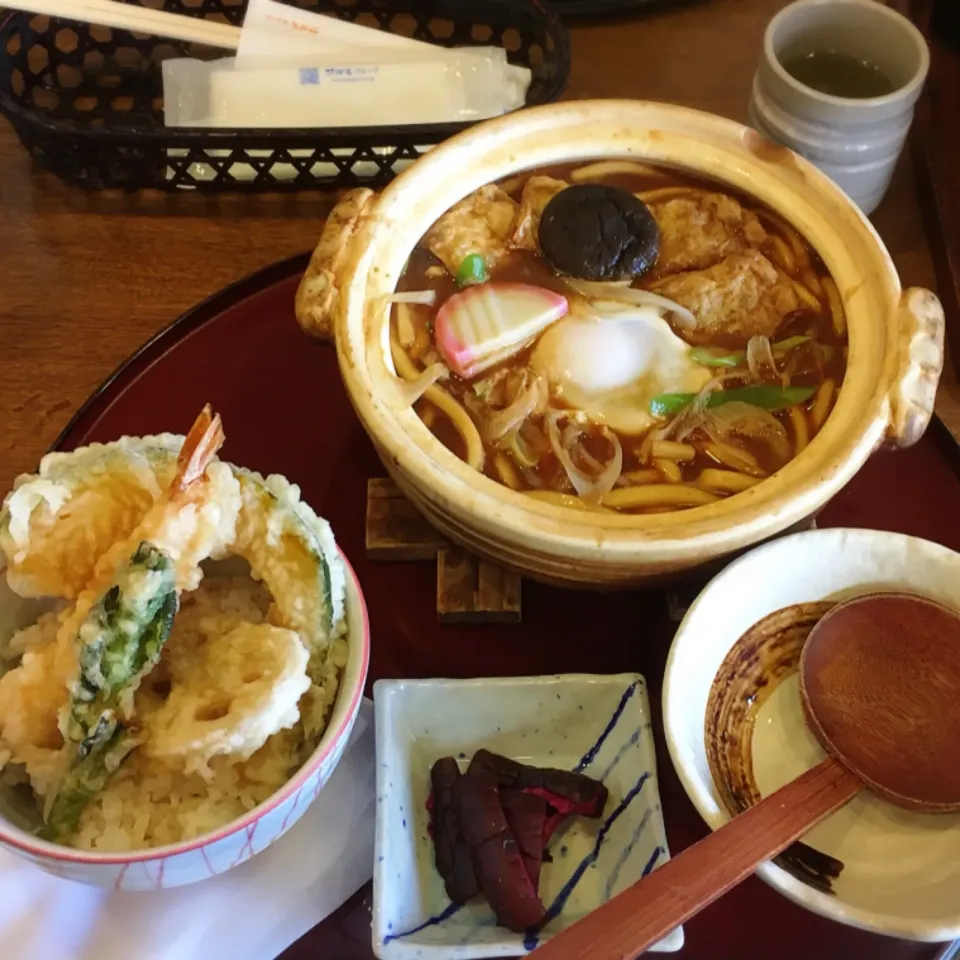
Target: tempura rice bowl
{"x":893,"y":366}
{"x":152,"y":738}
{"x":214,"y":852}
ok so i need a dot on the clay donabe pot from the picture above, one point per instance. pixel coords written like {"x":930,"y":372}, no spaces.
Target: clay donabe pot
{"x":894,"y":363}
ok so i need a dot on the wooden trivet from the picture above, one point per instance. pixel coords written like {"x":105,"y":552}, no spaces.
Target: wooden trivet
{"x":396,"y":529}
{"x":469,"y":590}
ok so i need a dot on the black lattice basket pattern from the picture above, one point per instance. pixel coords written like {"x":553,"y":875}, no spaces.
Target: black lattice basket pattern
{"x":87,"y":101}
{"x":593,"y":9}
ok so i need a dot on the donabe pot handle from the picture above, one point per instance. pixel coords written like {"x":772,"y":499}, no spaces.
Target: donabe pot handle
{"x":920,"y":329}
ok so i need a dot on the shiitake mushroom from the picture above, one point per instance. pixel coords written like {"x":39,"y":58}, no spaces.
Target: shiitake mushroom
{"x":595,"y":232}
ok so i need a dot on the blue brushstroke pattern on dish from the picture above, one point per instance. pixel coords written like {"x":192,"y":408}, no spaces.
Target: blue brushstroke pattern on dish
{"x":591,"y":754}
{"x":560,"y":901}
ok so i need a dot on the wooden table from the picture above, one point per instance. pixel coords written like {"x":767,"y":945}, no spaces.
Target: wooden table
{"x":85,"y":279}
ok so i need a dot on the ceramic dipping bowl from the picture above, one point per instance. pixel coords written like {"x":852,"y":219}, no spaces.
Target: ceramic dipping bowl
{"x":735,"y":728}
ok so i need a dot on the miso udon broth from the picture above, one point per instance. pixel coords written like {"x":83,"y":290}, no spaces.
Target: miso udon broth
{"x":613,"y":336}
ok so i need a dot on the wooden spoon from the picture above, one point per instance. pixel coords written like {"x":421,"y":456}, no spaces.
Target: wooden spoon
{"x":880,"y":684}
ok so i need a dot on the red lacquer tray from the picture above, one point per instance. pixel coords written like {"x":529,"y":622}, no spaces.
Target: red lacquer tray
{"x":285,"y":411}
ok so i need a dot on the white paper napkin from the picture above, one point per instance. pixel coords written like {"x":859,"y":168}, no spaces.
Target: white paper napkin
{"x":253,"y":912}
{"x":272,"y":29}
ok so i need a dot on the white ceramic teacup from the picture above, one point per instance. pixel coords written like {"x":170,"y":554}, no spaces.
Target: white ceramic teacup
{"x":855,"y":142}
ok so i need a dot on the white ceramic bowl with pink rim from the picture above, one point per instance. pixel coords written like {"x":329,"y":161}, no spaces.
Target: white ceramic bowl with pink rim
{"x":210,"y":854}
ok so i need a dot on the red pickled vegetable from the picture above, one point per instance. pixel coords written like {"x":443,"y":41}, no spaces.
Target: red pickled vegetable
{"x":526,"y":817}
{"x":553,"y":823}
{"x":451,"y":854}
{"x":564,"y":791}
{"x":497,"y":860}
{"x":491,"y":825}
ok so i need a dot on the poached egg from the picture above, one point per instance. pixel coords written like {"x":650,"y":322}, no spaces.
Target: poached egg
{"x":610,"y":359}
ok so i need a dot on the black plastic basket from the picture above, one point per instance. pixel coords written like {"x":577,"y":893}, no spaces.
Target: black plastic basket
{"x":597,"y":9}
{"x":87,"y":101}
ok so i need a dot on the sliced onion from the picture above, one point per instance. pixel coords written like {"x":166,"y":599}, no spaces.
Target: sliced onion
{"x":627,"y":294}
{"x":711,"y":386}
{"x":531,"y":478}
{"x":809,"y":357}
{"x":760,"y":359}
{"x":746,"y":420}
{"x":587,"y":487}
{"x":607,"y":480}
{"x":520,"y":450}
{"x":426,"y":298}
{"x":410,"y":391}
{"x":569,"y":437}
{"x":691,"y":417}
{"x":529,"y":401}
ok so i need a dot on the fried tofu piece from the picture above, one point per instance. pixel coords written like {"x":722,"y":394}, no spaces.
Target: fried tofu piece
{"x":741,"y":297}
{"x":318,"y":296}
{"x":481,"y":223}
{"x":699,"y":231}
{"x":537,"y":193}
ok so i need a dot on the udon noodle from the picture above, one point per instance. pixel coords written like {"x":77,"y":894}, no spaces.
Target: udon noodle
{"x":614,"y":337}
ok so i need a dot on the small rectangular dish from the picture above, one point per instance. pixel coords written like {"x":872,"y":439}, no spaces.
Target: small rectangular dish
{"x":598,"y":725}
